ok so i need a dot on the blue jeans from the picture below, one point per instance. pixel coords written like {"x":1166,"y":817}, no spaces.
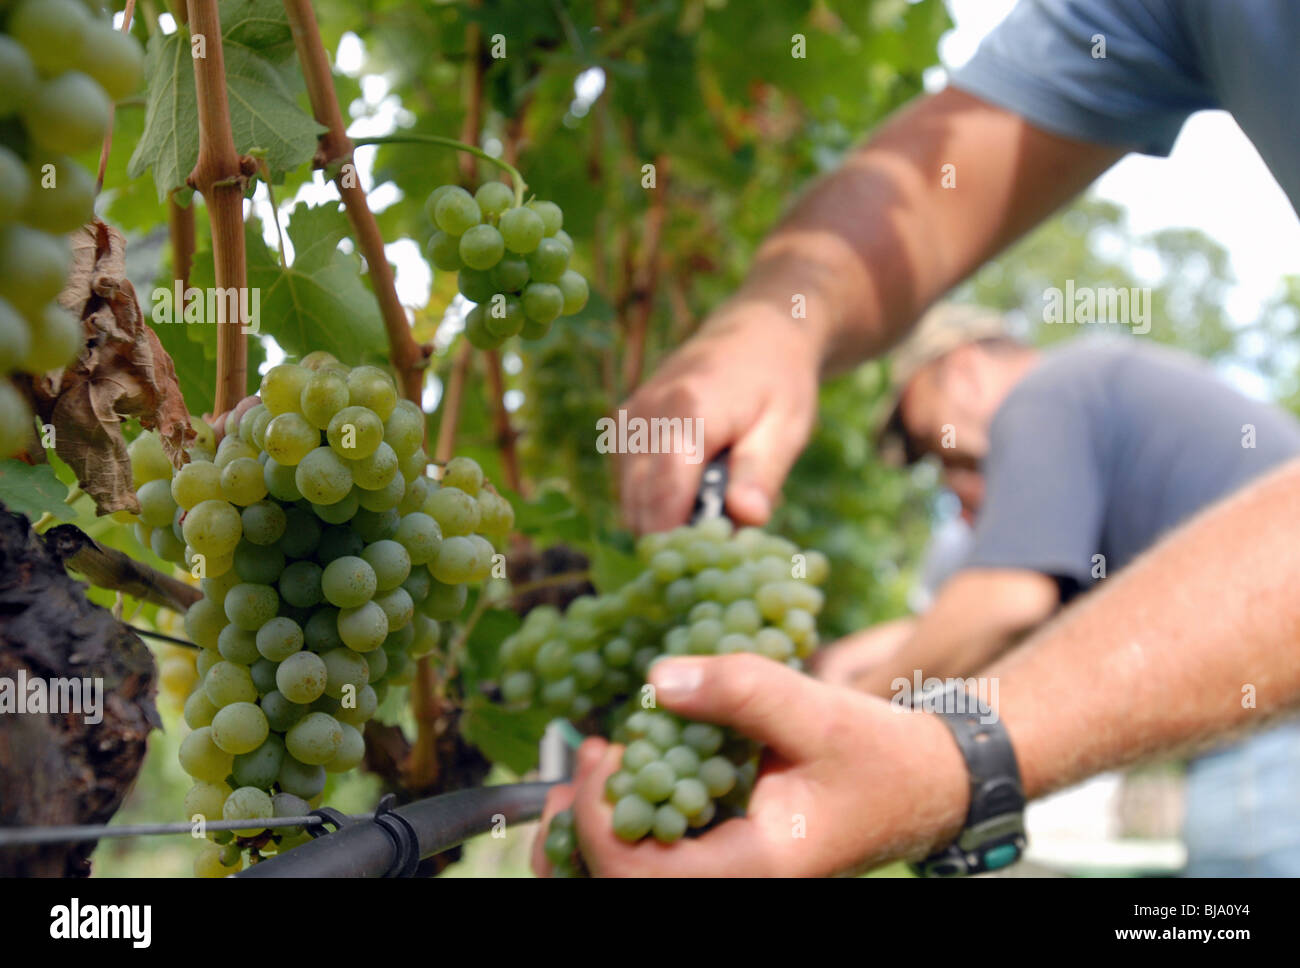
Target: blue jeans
{"x":1243,"y":808}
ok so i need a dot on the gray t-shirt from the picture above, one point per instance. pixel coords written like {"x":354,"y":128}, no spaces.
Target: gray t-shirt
{"x":1106,"y":445}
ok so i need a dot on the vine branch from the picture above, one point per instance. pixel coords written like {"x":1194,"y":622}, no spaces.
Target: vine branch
{"x":220,"y":175}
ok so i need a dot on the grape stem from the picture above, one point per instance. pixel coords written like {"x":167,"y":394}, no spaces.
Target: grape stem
{"x":517,"y":180}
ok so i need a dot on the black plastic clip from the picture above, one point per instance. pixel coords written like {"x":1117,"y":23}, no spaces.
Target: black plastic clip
{"x":406,"y":845}
{"x":330,"y":816}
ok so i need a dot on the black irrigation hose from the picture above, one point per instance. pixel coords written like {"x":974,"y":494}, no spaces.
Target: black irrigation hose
{"x":363,"y":847}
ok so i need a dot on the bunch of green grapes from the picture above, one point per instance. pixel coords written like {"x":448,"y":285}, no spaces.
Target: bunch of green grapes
{"x":327,"y":559}
{"x":60,"y":69}
{"x":704,"y":591}
{"x":513,"y":261}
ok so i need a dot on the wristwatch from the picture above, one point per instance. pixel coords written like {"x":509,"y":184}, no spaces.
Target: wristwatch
{"x":994,"y":834}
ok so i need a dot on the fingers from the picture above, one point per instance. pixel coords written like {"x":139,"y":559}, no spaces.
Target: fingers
{"x":763,"y":699}
{"x":558,"y":798}
{"x":656,"y":490}
{"x":760,"y":461}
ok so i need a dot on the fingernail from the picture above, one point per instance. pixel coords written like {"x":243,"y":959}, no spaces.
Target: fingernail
{"x":677,"y":679}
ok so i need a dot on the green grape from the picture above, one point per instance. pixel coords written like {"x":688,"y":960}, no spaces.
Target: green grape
{"x":149,"y":462}
{"x":301,"y":779}
{"x":669,"y":824}
{"x":289,"y":438}
{"x":564,"y":239}
{"x":548,"y":262}
{"x":263,"y":522}
{"x":54,"y":32}
{"x":533,"y":330}
{"x":522,"y":229}
{"x":300,"y":584}
{"x":690,"y":796}
{"x":212,"y":528}
{"x":281,"y":712}
{"x":463,"y":473}
{"x":494,"y":197}
{"x":239,"y":727}
{"x":363,"y":628}
{"x":372,"y":526}
{"x":435,"y":196}
{"x":251,"y":605}
{"x":377,"y":471}
{"x":355,"y":432}
{"x":248,"y":803}
{"x":421,"y":536}
{"x":387,"y":498}
{"x":314,"y":740}
{"x":619,"y":785}
{"x":206,"y":660}
{"x":705,"y":738}
{"x":360,"y":708}
{"x":774,"y":644}
{"x":684,"y":761}
{"x":372,"y":388}
{"x":33,"y":265}
{"x":237,"y":645}
{"x":257,"y":424}
{"x":324,"y":394}
{"x":484,"y":555}
{"x":390,"y":563}
{"x":321,"y":631}
{"x":481,"y":247}
{"x":279,"y":638}
{"x":56,"y":340}
{"x":17,"y":76}
{"x":456,"y":561}
{"x":248,"y":422}
{"x":633,"y":818}
{"x":551,"y":215}
{"x":560,"y":845}
{"x":496,"y":516}
{"x":475,"y":285}
{"x":233,"y":448}
{"x":425,"y":633}
{"x":445,"y":601}
{"x":242,"y":482}
{"x":417,"y":491}
{"x":204,"y":621}
{"x":542,"y":301}
{"x":204,"y":799}
{"x":588,"y":669}
{"x":215,"y":589}
{"x":348,"y":582}
{"x":718,"y":775}
{"x":340,"y":512}
{"x":504,"y":316}
{"x":260,"y":767}
{"x":199,"y":710}
{"x":68,"y":113}
{"x":456,"y":211}
{"x":443,"y":251}
{"x":518,"y":686}
{"x":301,"y":678}
{"x":157,"y":507}
{"x":704,"y":635}
{"x":510,"y":274}
{"x":263,"y":673}
{"x":281,"y":481}
{"x":337,"y":543}
{"x":62,"y":202}
{"x":573,"y":288}
{"x":663,"y":732}
{"x":351,"y":751}
{"x":282,"y":387}
{"x":323,"y":477}
{"x":202,"y":758}
{"x":397,"y":606}
{"x":639,"y":753}
{"x":377,"y":662}
{"x":228,"y":682}
{"x":455,"y":511}
{"x":302,"y":533}
{"x":404,"y":428}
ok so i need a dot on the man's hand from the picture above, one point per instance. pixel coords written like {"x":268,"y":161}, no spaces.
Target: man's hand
{"x":841,"y":663}
{"x":848,"y":781}
{"x":751,"y":375}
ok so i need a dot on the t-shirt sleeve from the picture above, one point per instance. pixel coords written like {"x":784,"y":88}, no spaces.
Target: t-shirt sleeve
{"x":1044,"y":489}
{"x":1043,"y":63}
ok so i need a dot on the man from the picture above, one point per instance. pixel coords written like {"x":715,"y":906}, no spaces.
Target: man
{"x":1197,"y":639}
{"x":1071,"y":462}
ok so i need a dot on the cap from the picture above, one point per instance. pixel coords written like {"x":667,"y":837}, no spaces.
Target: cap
{"x":941,"y":330}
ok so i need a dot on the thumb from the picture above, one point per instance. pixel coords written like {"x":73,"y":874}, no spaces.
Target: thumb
{"x":760,"y":461}
{"x":761,"y":698}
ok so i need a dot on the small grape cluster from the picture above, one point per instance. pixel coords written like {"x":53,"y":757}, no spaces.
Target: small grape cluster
{"x":60,"y":68}
{"x":512,"y":260}
{"x":327,"y":560}
{"x":704,"y":590}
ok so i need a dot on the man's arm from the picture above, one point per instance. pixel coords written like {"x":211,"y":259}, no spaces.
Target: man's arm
{"x":1197,"y":639}
{"x":978,"y":614}
{"x":868,"y":247}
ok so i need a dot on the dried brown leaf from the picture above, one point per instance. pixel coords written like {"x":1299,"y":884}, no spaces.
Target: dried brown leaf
{"x":123,"y":371}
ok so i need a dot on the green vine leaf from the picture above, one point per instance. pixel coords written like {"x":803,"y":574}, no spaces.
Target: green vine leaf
{"x":264,"y":115}
{"x":503,"y":736}
{"x":33,"y":490}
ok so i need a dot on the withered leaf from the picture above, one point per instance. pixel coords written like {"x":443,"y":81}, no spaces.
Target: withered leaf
{"x":123,"y":371}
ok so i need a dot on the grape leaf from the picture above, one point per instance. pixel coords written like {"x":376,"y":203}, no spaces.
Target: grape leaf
{"x":504,"y":736}
{"x":264,"y":115}
{"x":320,"y":302}
{"x":33,"y":491}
